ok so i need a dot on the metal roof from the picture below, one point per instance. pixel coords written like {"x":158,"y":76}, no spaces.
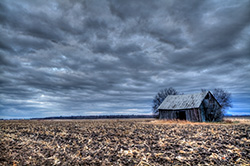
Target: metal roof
{"x":177,"y":102}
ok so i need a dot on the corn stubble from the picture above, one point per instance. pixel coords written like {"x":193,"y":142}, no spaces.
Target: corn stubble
{"x":127,"y":142}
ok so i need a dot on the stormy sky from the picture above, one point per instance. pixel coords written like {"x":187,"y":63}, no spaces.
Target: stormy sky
{"x":99,"y":57}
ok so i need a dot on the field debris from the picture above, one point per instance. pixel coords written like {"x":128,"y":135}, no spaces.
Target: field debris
{"x":122,"y":142}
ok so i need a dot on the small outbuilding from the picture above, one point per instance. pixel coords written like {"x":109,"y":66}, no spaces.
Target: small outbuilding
{"x":198,"y":107}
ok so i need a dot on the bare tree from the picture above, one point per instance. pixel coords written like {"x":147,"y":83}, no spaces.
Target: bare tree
{"x":161,"y":95}
{"x":224,"y":98}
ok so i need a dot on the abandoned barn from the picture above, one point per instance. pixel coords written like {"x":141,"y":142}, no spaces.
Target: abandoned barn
{"x":199,"y":107}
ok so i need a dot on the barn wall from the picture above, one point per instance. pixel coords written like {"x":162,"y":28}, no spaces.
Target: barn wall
{"x":191,"y":114}
{"x":209,"y":107}
{"x":169,"y":115}
{"x":194,"y":115}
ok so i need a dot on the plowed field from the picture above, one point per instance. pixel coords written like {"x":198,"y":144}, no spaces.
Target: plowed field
{"x":122,"y":142}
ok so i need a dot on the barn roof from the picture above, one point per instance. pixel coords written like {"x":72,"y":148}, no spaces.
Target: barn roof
{"x":177,"y":102}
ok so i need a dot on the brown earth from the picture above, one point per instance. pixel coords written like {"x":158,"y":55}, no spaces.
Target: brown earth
{"x":123,"y":142}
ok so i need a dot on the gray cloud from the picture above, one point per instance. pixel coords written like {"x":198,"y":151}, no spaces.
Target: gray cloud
{"x":112,"y":57}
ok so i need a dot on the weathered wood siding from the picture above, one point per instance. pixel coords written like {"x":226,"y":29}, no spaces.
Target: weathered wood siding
{"x":209,"y":107}
{"x":169,"y":115}
{"x":191,"y":114}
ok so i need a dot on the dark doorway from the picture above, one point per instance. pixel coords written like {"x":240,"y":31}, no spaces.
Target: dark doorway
{"x":181,"y":115}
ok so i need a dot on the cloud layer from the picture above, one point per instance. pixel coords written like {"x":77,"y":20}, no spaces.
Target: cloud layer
{"x":111,"y":57}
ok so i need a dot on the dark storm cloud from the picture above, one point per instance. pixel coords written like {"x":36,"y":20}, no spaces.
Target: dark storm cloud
{"x":131,"y":10}
{"x":111,"y":57}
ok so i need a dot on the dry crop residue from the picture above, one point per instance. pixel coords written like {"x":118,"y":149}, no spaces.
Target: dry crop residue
{"x":127,"y":142}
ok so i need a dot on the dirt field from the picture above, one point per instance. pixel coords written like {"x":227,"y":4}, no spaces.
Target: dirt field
{"x":123,"y":142}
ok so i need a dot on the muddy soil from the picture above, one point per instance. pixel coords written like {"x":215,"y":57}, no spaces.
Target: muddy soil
{"x":115,"y":142}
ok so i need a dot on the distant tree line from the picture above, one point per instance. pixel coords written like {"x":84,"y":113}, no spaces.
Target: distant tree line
{"x":99,"y":117}
{"x":78,"y":117}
